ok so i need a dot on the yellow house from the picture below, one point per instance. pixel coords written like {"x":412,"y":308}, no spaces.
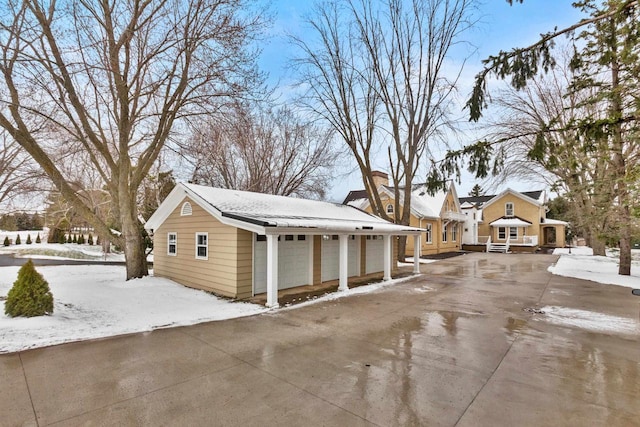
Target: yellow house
{"x":515,"y":221}
{"x":439,"y":214}
{"x":239,"y":244}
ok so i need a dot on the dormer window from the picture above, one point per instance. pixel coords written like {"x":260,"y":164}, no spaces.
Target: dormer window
{"x":389,"y":208}
{"x":508,"y":209}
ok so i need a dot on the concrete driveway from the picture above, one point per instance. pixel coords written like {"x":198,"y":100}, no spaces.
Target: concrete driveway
{"x":452,"y":347}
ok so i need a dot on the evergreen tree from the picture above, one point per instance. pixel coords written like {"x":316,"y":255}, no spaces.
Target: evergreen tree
{"x":476,"y":191}
{"x":90,"y":240}
{"x":7,"y":242}
{"x":75,"y":239}
{"x":30,"y":295}
{"x":38,"y":240}
{"x":29,"y":239}
{"x":69,"y":238}
{"x":18,"y":240}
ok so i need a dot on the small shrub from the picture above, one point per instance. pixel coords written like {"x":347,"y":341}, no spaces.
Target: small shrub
{"x":30,"y":295}
{"x":38,"y":240}
{"x":69,"y":239}
{"x":75,"y":239}
{"x":61,"y":238}
{"x":98,"y":240}
{"x":81,"y":239}
{"x":18,"y":239}
{"x":29,"y":239}
{"x":7,"y":242}
{"x":90,"y":239}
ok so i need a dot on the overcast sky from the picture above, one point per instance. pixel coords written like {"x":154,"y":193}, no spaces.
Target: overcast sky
{"x":502,"y":27}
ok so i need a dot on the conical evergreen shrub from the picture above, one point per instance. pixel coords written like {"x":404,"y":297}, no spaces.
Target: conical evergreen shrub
{"x":29,"y":239}
{"x":38,"y":240}
{"x":75,"y":239}
{"x":90,"y":239}
{"x":7,"y":242}
{"x":30,"y":295}
{"x":69,"y":239}
{"x":18,"y":239}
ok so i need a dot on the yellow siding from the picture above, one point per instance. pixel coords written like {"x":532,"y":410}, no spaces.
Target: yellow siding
{"x":521,"y":208}
{"x":228,"y":269}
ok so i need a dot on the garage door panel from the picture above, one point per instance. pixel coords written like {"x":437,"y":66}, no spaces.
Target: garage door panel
{"x":374,"y":255}
{"x":293,"y":264}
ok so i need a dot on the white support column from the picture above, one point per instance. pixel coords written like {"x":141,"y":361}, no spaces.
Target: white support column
{"x":386,"y":242}
{"x":416,"y":253}
{"x":272,"y":270}
{"x":344,"y":262}
{"x":311,"y":239}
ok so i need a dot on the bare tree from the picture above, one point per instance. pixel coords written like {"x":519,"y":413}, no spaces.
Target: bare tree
{"x":377,"y":76}
{"x":19,"y":176}
{"x":267,"y":151}
{"x":112,"y":79}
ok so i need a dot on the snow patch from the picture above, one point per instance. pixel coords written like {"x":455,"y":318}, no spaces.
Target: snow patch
{"x":589,"y":320}
{"x":582,"y":264}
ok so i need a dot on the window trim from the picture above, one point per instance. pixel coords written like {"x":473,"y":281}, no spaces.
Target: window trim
{"x":390,"y":208}
{"x":454,"y":233}
{"x":444,"y":233}
{"x":175,"y":243}
{"x":503,"y":231}
{"x":506,"y":209}
{"x":206,"y":235}
{"x":511,"y":237}
{"x":428,"y":238}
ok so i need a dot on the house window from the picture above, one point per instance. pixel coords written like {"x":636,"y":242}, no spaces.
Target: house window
{"x":513,"y":233}
{"x":261,"y":238}
{"x":172,"y":244}
{"x":202,"y":245}
{"x":428,"y":234}
{"x":288,"y":237}
{"x":302,"y":237}
{"x":502,"y":233}
{"x":454,"y":233}
{"x":334,"y":237}
{"x":508,"y":209}
{"x":186,"y":209}
{"x":389,"y":208}
{"x":444,"y":233}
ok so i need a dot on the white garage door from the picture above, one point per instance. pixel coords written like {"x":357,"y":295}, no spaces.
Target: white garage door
{"x":331,"y":258}
{"x":293,"y":263}
{"x":374,"y":254}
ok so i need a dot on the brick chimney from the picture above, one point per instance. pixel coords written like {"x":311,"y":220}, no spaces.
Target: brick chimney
{"x":380,"y":178}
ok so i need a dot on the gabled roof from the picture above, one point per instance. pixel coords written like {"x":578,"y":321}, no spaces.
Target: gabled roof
{"x":423,"y":204}
{"x":269,"y":214}
{"x":537,"y":201}
{"x":513,"y":221}
{"x":481,"y":200}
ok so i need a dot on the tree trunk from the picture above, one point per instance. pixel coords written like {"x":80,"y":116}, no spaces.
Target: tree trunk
{"x":134,"y":252}
{"x":598,"y":246}
{"x":624,"y":268}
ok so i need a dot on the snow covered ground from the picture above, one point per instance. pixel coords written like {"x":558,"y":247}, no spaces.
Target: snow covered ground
{"x":581,"y":264}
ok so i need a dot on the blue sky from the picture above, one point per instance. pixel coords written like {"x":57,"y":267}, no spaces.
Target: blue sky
{"x":501,"y":27}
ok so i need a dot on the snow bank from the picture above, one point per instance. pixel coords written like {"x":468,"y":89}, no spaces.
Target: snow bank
{"x":582,"y":264}
{"x":95,"y":302}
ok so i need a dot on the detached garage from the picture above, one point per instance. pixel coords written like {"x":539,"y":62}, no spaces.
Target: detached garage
{"x":239,"y":244}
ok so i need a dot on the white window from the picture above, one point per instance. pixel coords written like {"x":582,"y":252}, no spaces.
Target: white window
{"x":444,"y":233}
{"x":508,"y":209}
{"x":502,"y":233}
{"x":172,"y":244}
{"x":202,"y":245}
{"x":513,"y":233}
{"x":186,"y":209}
{"x":428,"y":234}
{"x":454,"y":233}
{"x":389,"y":208}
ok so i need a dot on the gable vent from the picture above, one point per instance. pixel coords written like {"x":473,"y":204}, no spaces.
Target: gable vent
{"x":186,"y":209}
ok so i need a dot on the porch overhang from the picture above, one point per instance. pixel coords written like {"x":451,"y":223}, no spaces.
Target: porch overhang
{"x":510,"y":222}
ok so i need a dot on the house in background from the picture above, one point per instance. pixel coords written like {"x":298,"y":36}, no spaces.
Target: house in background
{"x":239,"y":244}
{"x":439,"y":214}
{"x":511,"y":221}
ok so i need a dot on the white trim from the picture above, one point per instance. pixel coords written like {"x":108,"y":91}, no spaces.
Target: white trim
{"x":175,"y":243}
{"x":515,"y":193}
{"x":428,"y":238}
{"x":206,"y":235}
{"x":506,"y":209}
{"x":389,"y":205}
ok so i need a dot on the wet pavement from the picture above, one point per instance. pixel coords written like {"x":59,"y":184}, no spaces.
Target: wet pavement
{"x":455,"y":346}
